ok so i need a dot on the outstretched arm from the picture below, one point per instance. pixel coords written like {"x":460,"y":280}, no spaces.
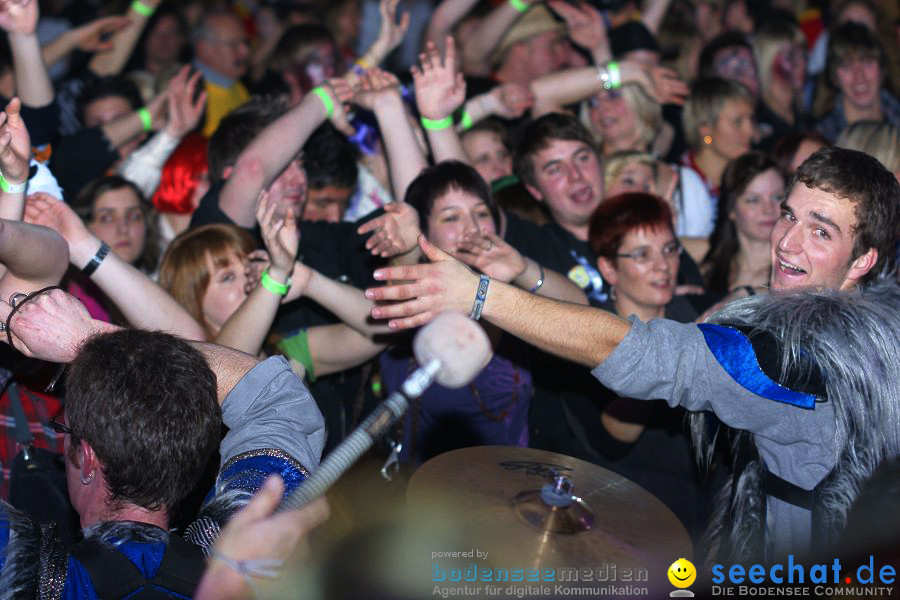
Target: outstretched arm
{"x":274,"y":148}
{"x":444,"y":18}
{"x":90,"y":37}
{"x":488,"y":33}
{"x":140,"y":299}
{"x":579,"y":333}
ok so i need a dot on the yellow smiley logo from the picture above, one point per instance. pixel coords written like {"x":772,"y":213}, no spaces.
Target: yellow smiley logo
{"x":682,"y":573}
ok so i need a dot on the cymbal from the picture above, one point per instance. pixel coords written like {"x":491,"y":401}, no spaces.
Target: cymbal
{"x":497,"y":491}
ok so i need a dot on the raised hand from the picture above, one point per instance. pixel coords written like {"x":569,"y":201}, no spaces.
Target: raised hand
{"x":428,"y":289}
{"x":511,"y":100}
{"x":439,"y":88}
{"x":391,"y":32}
{"x":660,"y":83}
{"x":374,"y":85}
{"x":43,"y":209}
{"x":491,"y":255}
{"x":15,"y":144}
{"x":280,"y":234}
{"x":184,"y":111}
{"x":584,"y":22}
{"x":19,"y":16}
{"x":341,"y":93}
{"x":96,"y":36}
{"x":393,"y":233}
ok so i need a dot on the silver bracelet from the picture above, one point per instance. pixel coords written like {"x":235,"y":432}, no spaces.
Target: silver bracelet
{"x":480,"y":296}
{"x":540,"y":281}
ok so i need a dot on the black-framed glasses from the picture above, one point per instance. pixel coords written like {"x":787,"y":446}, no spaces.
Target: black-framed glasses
{"x":643,"y":254}
{"x":58,"y":426}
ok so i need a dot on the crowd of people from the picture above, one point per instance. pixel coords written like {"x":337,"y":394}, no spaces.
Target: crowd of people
{"x":224,"y":216}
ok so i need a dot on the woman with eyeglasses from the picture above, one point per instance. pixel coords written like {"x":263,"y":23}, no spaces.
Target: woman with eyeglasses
{"x":638,"y":253}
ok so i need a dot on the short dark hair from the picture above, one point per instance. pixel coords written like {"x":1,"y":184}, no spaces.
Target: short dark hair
{"x":435,"y":181}
{"x":237,"y":130}
{"x":146,"y":402}
{"x":540,"y":133}
{"x":616,"y":217}
{"x":848,"y":41}
{"x":873,"y":190}
{"x":330,"y":159}
{"x":109,"y":87}
{"x":723,"y":242}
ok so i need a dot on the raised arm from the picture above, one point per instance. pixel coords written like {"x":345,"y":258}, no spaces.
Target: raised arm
{"x":139,"y":298}
{"x":444,"y":18}
{"x":509,"y":101}
{"x":553,"y":91}
{"x":379,"y":92}
{"x":653,"y":14}
{"x":124,"y":40}
{"x":582,"y":334}
{"x":15,"y":156}
{"x":33,"y":257}
{"x":184,"y":110}
{"x":586,"y":28}
{"x":90,"y":37}
{"x":274,"y":148}
{"x":440,"y":90}
{"x":247,"y":328}
{"x":486,"y":36}
{"x":33,"y":85}
{"x":390,"y":34}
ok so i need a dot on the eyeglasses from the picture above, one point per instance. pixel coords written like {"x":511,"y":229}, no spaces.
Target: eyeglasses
{"x":59,"y":427}
{"x":644,"y":254}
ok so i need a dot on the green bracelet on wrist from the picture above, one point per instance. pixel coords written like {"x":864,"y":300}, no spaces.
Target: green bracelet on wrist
{"x":466,"y":122}
{"x":437,"y":124}
{"x":12,"y":188}
{"x":276,"y":287}
{"x":146,"y":119}
{"x":325,"y":97}
{"x":519,"y":5}
{"x":142,"y":9}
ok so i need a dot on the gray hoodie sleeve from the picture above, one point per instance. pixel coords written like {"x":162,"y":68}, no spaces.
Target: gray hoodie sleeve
{"x":270,"y":407}
{"x":666,"y":360}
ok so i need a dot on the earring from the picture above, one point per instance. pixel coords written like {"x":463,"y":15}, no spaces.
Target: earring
{"x":87,"y":480}
{"x":707,"y":139}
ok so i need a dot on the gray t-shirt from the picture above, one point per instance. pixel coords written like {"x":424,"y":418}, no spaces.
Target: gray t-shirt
{"x":670,"y":361}
{"x":270,"y":407}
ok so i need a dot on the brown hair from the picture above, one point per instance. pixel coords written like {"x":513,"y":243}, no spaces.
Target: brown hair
{"x":184,"y":271}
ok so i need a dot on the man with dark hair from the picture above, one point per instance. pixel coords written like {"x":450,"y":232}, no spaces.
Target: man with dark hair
{"x":805,"y":374}
{"x":857,"y":65}
{"x":142,"y":420}
{"x":330,"y":161}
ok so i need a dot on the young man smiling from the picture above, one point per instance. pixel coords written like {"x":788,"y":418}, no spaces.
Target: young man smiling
{"x":802,"y":377}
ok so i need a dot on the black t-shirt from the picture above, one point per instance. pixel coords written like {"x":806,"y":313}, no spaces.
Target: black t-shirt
{"x":338,"y":252}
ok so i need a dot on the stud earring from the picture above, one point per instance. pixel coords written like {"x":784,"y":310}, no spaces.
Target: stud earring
{"x":707,"y":139}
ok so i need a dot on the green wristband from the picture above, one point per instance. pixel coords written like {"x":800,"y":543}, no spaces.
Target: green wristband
{"x":146,"y":119}
{"x":297,"y":348}
{"x":466,"y":122}
{"x":276,"y":287}
{"x":142,"y":9}
{"x":519,"y":5}
{"x":11,"y":188}
{"x":437,"y":124}
{"x":325,"y":97}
